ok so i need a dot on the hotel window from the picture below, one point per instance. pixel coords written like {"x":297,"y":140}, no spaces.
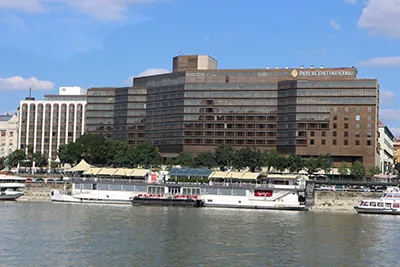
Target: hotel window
{"x":357,"y":142}
{"x":357,"y":126}
{"x":369,"y":109}
{"x":334,"y":142}
{"x":357,"y":109}
{"x":334,"y":126}
{"x":357,"y":117}
{"x":346,"y":109}
{"x":323,"y":142}
{"x":346,"y":142}
{"x":312,"y":142}
{"x":335,"y":109}
{"x":346,"y":117}
{"x":357,"y":134}
{"x":370,"y":118}
{"x":369,"y":126}
{"x":323,"y":133}
{"x":346,"y":126}
{"x":335,"y":117}
{"x":312,"y":133}
{"x":346,"y":134}
{"x":368,"y":142}
{"x":369,"y":134}
{"x":334,"y":134}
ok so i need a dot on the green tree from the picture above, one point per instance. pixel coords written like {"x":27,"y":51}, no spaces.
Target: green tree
{"x":185,"y":159}
{"x":170,"y":162}
{"x":343,"y":170}
{"x":225,"y":156}
{"x":118,"y":154}
{"x":312,"y":165}
{"x":40,"y":160}
{"x":15,"y":158}
{"x":282,"y":163}
{"x":206,"y":159}
{"x":2,"y":163}
{"x":295,"y":163}
{"x":357,"y":170}
{"x":374,"y":170}
{"x":146,"y":155}
{"x":247,"y":157}
{"x":90,"y":147}
{"x":270,"y":159}
{"x":325,"y":162}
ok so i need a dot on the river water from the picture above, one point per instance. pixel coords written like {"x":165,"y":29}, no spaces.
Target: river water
{"x":50,"y":234}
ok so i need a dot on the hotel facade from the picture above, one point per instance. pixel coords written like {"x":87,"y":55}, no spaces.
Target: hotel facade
{"x":305,"y":111}
{"x":46,"y":124}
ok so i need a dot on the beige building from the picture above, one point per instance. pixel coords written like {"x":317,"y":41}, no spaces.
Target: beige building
{"x":47,"y":124}
{"x":8,"y":134}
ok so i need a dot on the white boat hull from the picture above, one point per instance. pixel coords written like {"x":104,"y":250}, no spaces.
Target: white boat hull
{"x":92,"y":196}
{"x":377,"y":211}
{"x":11,"y":195}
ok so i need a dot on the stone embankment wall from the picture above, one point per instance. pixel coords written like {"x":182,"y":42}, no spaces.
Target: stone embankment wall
{"x":39,"y":192}
{"x":340,"y":200}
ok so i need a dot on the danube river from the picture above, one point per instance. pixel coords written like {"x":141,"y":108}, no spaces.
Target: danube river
{"x":50,"y":234}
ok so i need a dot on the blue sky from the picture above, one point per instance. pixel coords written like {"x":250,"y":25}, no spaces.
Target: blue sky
{"x":50,"y":43}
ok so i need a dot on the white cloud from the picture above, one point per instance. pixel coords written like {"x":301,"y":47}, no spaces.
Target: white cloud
{"x":389,"y":115}
{"x":153,"y":71}
{"x":102,"y":9}
{"x":381,"y":61}
{"x":20,"y":83}
{"x":386,"y":96}
{"x":31,"y":6}
{"x":335,"y":25}
{"x":381,"y":17}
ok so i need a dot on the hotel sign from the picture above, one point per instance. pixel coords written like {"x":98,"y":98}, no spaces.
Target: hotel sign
{"x":296,"y":73}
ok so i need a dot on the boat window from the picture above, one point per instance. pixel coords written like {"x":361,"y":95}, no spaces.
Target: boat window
{"x":380,"y":204}
{"x":388,"y":205}
{"x":94,"y":187}
{"x":364,"y":204}
{"x":396,"y":205}
{"x":373,"y":204}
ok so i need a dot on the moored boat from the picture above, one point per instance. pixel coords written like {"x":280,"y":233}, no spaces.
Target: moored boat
{"x":11,"y":187}
{"x":388,"y":203}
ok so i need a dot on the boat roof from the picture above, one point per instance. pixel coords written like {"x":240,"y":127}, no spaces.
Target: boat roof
{"x":12,"y":177}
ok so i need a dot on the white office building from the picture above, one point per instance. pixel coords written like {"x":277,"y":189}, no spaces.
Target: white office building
{"x":47,"y":124}
{"x":8,"y":134}
{"x":385,"y":150}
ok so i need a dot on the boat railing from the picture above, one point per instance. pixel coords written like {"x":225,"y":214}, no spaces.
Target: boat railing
{"x":212,"y":184}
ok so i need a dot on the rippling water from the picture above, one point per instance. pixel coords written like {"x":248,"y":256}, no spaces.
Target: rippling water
{"x":50,"y":234}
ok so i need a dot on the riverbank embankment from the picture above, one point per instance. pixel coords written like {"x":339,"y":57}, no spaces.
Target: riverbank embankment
{"x":39,"y":191}
{"x":340,"y":200}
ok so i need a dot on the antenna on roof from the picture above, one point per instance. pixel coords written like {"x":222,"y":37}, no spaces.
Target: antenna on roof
{"x":30,"y":91}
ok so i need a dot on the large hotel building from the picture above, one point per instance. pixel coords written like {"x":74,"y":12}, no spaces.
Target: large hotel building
{"x":305,"y":111}
{"x":46,"y":124}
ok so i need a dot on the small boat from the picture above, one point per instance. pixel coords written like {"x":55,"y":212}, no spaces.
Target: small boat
{"x":388,"y":203}
{"x":11,"y":187}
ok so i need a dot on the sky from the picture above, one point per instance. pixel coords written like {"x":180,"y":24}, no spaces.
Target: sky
{"x":45,"y":44}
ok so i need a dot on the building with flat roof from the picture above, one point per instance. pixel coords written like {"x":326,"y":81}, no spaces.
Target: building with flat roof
{"x":8,"y":134}
{"x":305,"y":111}
{"x":385,"y":149}
{"x":46,"y":124}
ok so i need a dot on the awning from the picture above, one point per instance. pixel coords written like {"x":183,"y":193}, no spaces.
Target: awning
{"x":92,"y":171}
{"x":139,"y":172}
{"x":218,"y":174}
{"x":123,"y":172}
{"x":106,"y":171}
{"x":250,"y":175}
{"x":80,"y":167}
